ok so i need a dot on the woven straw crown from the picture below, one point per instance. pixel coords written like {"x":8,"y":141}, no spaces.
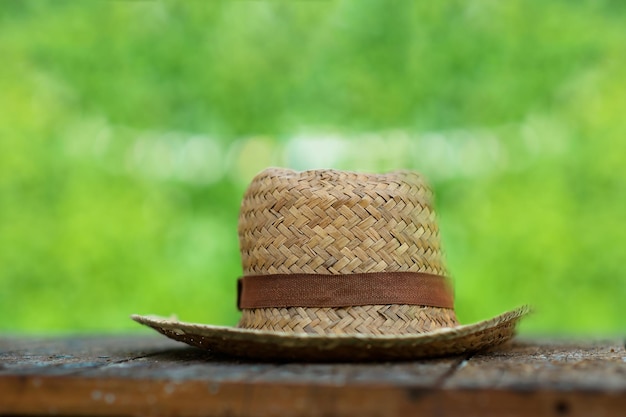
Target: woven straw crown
{"x":335,"y":223}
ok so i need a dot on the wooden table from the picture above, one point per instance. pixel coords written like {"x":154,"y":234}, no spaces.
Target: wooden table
{"x":137,"y":376}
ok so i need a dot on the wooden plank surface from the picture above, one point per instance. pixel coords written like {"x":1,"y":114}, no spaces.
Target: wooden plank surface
{"x":145,"y":376}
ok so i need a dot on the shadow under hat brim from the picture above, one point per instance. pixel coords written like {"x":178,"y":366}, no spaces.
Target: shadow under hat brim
{"x":275,"y":346}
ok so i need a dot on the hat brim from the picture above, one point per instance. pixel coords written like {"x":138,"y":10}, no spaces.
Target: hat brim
{"x":266,"y":345}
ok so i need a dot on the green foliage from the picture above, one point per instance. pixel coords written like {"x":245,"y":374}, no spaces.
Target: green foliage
{"x":128,"y":132}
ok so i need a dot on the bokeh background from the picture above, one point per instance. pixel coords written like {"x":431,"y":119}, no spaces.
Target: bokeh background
{"x":129,"y":130}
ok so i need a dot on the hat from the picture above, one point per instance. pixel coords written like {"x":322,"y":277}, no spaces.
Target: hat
{"x":341,"y":266}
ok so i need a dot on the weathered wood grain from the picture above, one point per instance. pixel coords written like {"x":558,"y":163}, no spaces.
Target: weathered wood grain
{"x":69,"y":355}
{"x":147,"y":376}
{"x":599,"y":366}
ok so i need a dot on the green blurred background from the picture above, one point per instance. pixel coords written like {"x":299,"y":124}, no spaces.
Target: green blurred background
{"x":129,"y":130}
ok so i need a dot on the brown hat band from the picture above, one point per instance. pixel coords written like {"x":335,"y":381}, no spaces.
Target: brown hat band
{"x":317,"y":290}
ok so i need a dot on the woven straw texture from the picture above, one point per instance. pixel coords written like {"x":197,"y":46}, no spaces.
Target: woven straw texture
{"x":335,"y":222}
{"x":265,"y":345}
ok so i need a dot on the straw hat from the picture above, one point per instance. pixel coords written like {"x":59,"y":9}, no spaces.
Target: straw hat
{"x":341,"y":266}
